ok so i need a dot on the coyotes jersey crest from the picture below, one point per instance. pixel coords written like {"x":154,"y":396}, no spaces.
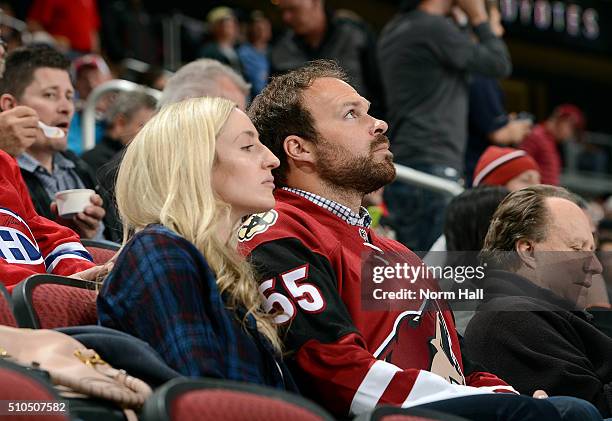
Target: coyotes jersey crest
{"x":405,"y":347}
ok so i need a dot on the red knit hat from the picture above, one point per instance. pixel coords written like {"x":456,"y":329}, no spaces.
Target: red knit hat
{"x":573,"y":113}
{"x":497,"y":166}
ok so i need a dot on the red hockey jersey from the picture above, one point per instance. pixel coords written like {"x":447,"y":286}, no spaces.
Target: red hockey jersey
{"x":29,"y":243}
{"x":348,"y":359}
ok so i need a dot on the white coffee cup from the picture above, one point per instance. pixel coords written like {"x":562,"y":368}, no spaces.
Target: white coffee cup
{"x":71,"y":202}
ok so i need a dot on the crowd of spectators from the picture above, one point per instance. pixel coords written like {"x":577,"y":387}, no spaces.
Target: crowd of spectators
{"x":239,"y":199}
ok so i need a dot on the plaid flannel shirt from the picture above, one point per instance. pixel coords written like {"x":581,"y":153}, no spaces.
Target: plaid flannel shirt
{"x":162,"y":291}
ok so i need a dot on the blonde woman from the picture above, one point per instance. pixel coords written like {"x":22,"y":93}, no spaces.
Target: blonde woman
{"x":186,"y":181}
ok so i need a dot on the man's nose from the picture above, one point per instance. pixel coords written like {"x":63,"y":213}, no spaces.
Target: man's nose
{"x":593,"y":265}
{"x":379,"y":127}
{"x":65,"y":106}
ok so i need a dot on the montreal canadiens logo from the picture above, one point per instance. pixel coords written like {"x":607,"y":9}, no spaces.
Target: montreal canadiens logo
{"x":15,"y":245}
{"x":256,"y":224}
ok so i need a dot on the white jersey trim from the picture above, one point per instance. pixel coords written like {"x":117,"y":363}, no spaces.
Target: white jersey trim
{"x":373,"y":386}
{"x":430,"y":387}
{"x":62,"y":257}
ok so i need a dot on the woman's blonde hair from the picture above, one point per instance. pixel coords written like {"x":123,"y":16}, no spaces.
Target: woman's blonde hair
{"x":165,"y":178}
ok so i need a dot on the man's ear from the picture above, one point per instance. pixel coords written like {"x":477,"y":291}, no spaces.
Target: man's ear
{"x":7,"y":101}
{"x":299,"y":149}
{"x":526,"y":252}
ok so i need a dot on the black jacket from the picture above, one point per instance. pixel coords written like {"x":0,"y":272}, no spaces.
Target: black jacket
{"x":352,"y":44}
{"x":106,"y":158}
{"x":534,"y":339}
{"x":42,"y":201}
{"x":102,"y":154}
{"x":124,"y":351}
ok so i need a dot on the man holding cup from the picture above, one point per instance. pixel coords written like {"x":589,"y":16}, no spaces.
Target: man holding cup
{"x":37,"y":77}
{"x":30,"y":243}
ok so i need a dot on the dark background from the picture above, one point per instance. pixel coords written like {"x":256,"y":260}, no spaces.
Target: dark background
{"x":551,"y":66}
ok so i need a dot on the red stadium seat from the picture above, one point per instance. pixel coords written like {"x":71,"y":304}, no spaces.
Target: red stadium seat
{"x":101,"y":251}
{"x":7,"y":318}
{"x":19,"y":384}
{"x":50,"y":301}
{"x":213,"y":399}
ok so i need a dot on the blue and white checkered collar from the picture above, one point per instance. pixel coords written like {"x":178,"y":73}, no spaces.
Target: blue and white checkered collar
{"x":345,"y":213}
{"x":31,"y":164}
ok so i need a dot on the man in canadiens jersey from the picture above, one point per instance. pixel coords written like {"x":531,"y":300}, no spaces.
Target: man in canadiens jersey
{"x":308,"y":251}
{"x":31,"y":244}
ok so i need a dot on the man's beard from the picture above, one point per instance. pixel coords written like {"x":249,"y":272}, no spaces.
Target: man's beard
{"x":339,"y":168}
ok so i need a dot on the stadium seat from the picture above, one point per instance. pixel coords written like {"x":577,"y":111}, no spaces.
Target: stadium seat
{"x":101,"y":251}
{"x":51,"y":301}
{"x":200,"y":399}
{"x":7,"y":318}
{"x":393,"y":413}
{"x":20,"y":384}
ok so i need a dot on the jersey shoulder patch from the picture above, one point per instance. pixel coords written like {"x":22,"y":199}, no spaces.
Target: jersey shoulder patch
{"x":257,"y":224}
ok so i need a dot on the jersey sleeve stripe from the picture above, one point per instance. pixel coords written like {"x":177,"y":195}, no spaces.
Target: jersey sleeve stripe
{"x":58,"y":259}
{"x":373,"y":386}
{"x":73,"y":250}
{"x":430,"y":387}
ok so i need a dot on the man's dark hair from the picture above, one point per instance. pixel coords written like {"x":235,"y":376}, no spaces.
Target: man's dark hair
{"x":523,"y":214}
{"x":279,"y":111}
{"x":23,"y":62}
{"x":469,"y":215}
